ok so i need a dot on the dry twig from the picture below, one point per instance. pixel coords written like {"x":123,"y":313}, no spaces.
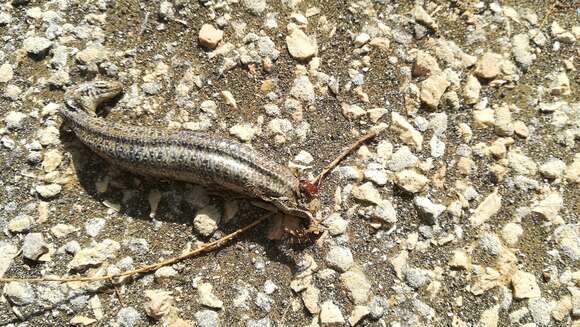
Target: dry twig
{"x":147,"y":268}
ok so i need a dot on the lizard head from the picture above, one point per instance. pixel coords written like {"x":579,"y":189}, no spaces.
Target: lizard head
{"x":89,"y":96}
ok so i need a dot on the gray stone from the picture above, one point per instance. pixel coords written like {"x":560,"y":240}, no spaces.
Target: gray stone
{"x":34,"y":246}
{"x":264,"y":322}
{"x":264,"y":302}
{"x":377,"y":307}
{"x":19,"y":293}
{"x":417,"y":277}
{"x":540,"y":310}
{"x":302,"y":89}
{"x":402,"y":159}
{"x":522,"y":51}
{"x":339,"y":257}
{"x":256,"y":7}
{"x":36,"y":45}
{"x":207,"y":318}
{"x":128,"y":317}
{"x":94,"y":226}
{"x":14,"y":120}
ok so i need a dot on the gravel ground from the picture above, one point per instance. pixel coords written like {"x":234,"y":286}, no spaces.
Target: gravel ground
{"x":464,"y":212}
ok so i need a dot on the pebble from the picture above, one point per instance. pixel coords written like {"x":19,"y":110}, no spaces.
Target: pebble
{"x":128,"y":317}
{"x":553,"y":168}
{"x":14,"y":120}
{"x":300,"y":46}
{"x":560,"y":84}
{"x":6,"y":73}
{"x":486,"y":209}
{"x":520,"y":163}
{"x":92,"y":55}
{"x":264,"y":322}
{"x":335,"y":224}
{"x":37,"y":45}
{"x":460,"y":259}
{"x":310,"y":298}
{"x":525,"y":286}
{"x":94,"y":255}
{"x":49,"y":136}
{"x":484,"y":118}
{"x":567,"y":237}
{"x":402,"y":159}
{"x":19,"y":293}
{"x":20,"y":224}
{"x":207,"y":298}
{"x":210,"y":36}
{"x":339,"y":257}
{"x":366,"y":193}
{"x":256,"y":7}
{"x":12,"y":92}
{"x":488,"y":65}
{"x":540,"y":310}
{"x":206,"y":220}
{"x":166,"y":272}
{"x":302,"y":89}
{"x":207,"y":318}
{"x":425,"y":65}
{"x":5,"y":18}
{"x":62,"y":230}
{"x":432,"y":89}
{"x":229,"y":99}
{"x":52,"y":159}
{"x":410,"y":180}
{"x":511,"y":233}
{"x":357,"y":284}
{"x":406,"y":132}
{"x":522,"y":51}
{"x":503,"y":121}
{"x":429,"y":210}
{"x":94,"y":226}
{"x":7,"y":254}
{"x":48,"y":191}
{"x":471,"y":90}
{"x":330,"y":314}
{"x":357,"y":314}
{"x":34,"y":246}
{"x":244,"y":132}
{"x":352,"y":111}
{"x":549,"y":207}
{"x":159,"y":303}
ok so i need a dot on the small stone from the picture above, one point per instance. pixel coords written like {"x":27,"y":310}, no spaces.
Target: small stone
{"x":429,"y":210}
{"x":522,"y":51}
{"x":79,"y":320}
{"x":366,"y":193}
{"x":264,"y":302}
{"x":94,"y":226}
{"x":568,"y":238}
{"x":207,"y":318}
{"x":93,"y":54}
{"x":460,"y":259}
{"x":357,"y":314}
{"x":437,"y":147}
{"x":410,"y":180}
{"x":229,"y":99}
{"x":34,"y":246}
{"x":425,"y":65}
{"x":432,"y":89}
{"x":352,"y":111}
{"x":423,"y":18}
{"x":471,"y":90}
{"x":7,"y":254}
{"x":406,"y":132}
{"x":575,"y":291}
{"x":210,"y":36}
{"x":573,"y":170}
{"x":503,"y":121}
{"x":525,"y":285}
{"x":358,"y":286}
{"x":335,"y":224}
{"x":270,"y":287}
{"x":385,"y":212}
{"x":330,"y":314}
{"x":402,"y":159}
{"x":520,"y":163}
{"x":256,"y":7}
{"x":128,"y":317}
{"x":416,"y":278}
{"x":484,"y":118}
{"x":49,"y":136}
{"x":52,"y":159}
{"x":489,"y":317}
{"x":37,"y":46}
{"x":549,"y":207}
{"x":6,"y":73}
{"x":553,"y":168}
{"x":14,"y":120}
{"x":540,"y":310}
{"x":562,"y":308}
{"x":511,"y":233}
{"x":521,"y":129}
{"x":62,"y":230}
{"x":488,"y":66}
{"x":166,"y":272}
{"x":5,"y":18}
{"x":206,"y":220}
{"x":48,"y":191}
{"x":486,"y":209}
{"x":304,"y":158}
{"x":339,"y":257}
{"x":159,"y":303}
{"x":244,"y":132}
{"x":303,"y":90}
{"x":361,"y":39}
{"x":12,"y":92}
{"x":94,"y":256}
{"x":310,"y":297}
{"x":300,"y":46}
{"x":166,"y":10}
{"x":560,"y":84}
{"x":20,"y":223}
{"x":19,"y":293}
{"x":207,"y":298}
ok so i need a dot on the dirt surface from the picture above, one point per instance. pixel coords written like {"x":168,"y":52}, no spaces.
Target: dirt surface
{"x":429,"y":262}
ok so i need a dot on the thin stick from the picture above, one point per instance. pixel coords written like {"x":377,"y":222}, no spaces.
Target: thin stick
{"x":205,"y":247}
{"x":345,"y":153}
